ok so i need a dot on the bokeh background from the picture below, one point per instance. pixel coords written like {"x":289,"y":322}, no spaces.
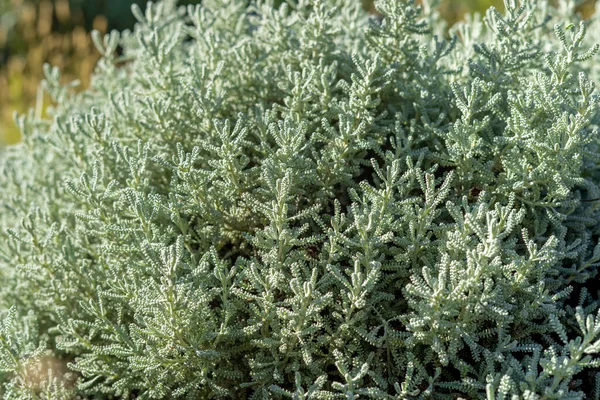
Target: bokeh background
{"x":34,"y":32}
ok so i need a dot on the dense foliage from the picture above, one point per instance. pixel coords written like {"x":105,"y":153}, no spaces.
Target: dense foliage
{"x":309,"y":202}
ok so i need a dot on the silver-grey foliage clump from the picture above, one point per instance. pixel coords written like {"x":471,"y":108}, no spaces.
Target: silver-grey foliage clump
{"x":308,"y":202}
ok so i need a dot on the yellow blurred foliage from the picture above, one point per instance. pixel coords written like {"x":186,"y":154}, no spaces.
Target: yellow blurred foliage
{"x":73,"y":52}
{"x":454,"y":10}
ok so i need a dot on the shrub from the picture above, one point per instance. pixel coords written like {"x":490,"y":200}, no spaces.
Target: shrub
{"x":33,"y":32}
{"x":310,"y":202}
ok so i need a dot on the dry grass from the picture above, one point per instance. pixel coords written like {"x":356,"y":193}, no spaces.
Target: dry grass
{"x":39,"y":43}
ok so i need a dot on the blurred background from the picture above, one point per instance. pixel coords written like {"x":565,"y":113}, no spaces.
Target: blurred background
{"x":33,"y":32}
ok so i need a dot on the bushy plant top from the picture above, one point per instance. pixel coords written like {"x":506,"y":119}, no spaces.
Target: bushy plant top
{"x":309,"y":202}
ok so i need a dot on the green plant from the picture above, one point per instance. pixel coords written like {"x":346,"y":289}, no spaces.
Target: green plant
{"x":309,"y":202}
{"x":33,"y":32}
